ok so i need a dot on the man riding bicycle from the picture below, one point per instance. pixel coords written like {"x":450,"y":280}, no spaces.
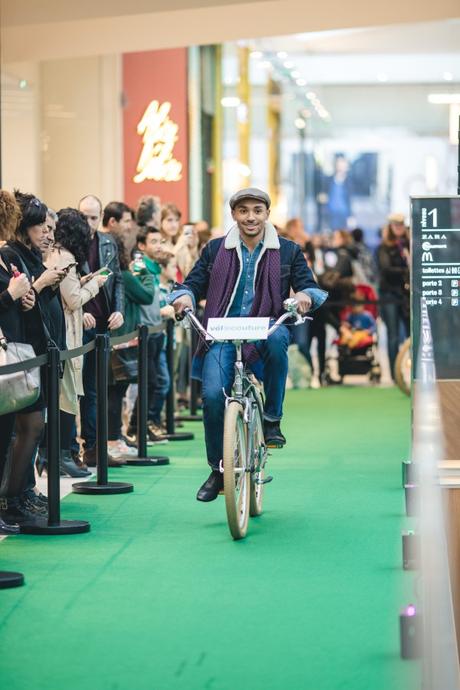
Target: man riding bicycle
{"x":248,"y":273}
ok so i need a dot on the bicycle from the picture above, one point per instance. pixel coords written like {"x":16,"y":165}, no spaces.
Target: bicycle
{"x":245,"y":452}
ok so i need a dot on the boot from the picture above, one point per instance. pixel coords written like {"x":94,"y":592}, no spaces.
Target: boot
{"x":68,"y":466}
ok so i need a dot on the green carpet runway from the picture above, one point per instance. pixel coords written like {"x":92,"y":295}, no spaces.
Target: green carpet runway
{"x":158,"y":597}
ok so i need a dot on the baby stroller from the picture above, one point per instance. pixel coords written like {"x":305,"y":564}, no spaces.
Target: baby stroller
{"x":362,"y":360}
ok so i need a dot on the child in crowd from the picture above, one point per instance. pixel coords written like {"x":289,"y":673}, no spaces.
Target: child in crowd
{"x":167,"y":278}
{"x":358,"y":329}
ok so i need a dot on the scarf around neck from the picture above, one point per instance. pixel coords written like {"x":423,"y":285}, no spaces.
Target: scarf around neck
{"x":222,"y":283}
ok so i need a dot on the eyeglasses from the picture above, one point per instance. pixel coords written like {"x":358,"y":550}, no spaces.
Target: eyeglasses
{"x":35,"y":202}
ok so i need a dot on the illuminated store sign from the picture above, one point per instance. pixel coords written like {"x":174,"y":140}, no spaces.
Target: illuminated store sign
{"x":159,"y":136}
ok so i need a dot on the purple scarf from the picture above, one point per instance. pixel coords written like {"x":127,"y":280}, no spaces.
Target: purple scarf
{"x":267,"y":290}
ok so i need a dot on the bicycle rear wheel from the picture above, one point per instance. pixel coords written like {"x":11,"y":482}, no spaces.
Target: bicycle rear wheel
{"x":259,"y":450}
{"x":236,"y":478}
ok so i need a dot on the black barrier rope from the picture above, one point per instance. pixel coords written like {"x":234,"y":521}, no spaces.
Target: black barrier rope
{"x":64,"y":355}
{"x":26,"y":364}
{"x":172,"y":435}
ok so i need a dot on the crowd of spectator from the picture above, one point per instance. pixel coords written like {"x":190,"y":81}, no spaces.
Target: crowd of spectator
{"x":345,"y":266}
{"x":67,"y":276}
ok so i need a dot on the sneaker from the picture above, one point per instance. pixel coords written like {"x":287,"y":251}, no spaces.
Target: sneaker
{"x":37,"y":496}
{"x":17,"y":511}
{"x":129,"y":441}
{"x":273,"y":436}
{"x":155,"y":433}
{"x":119,"y":448}
{"x":31,"y":502}
{"x":90,"y":458}
{"x":152,"y":440}
{"x":77,"y":458}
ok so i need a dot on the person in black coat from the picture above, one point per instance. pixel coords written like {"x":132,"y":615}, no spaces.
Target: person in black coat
{"x":15,"y":296}
{"x":393,"y":265}
{"x":43,"y":321}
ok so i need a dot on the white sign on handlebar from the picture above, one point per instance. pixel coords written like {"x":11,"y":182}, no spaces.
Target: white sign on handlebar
{"x":238,"y":328}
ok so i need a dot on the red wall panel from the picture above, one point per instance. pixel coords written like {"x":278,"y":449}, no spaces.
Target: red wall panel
{"x":157,"y":75}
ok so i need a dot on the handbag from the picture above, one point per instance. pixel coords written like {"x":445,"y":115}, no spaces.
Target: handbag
{"x":21,"y":389}
{"x":123,"y":361}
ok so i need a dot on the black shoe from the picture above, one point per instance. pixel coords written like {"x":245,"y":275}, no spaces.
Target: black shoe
{"x":32,"y":503}
{"x":68,"y":467}
{"x":273,"y":436}
{"x":39,"y":498}
{"x":209,"y":491}
{"x":17,"y":510}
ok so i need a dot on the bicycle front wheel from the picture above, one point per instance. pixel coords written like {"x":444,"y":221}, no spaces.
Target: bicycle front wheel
{"x":259,"y":450}
{"x":236,"y":477}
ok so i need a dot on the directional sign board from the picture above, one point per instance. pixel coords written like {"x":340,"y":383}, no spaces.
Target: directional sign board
{"x":436,"y":276}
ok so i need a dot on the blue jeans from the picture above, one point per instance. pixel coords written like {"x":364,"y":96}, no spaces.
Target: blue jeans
{"x":155,"y":347}
{"x":218,"y":373}
{"x":394,"y":316}
{"x":162,"y":384}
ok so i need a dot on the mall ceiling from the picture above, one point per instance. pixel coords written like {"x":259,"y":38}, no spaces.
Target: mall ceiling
{"x":52,"y":29}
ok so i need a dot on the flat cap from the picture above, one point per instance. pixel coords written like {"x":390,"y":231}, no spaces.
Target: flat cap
{"x":250,"y":193}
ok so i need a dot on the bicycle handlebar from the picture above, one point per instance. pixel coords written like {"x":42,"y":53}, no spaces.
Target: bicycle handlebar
{"x":291,"y":311}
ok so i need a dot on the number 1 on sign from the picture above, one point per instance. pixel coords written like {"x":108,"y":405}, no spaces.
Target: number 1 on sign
{"x":434,"y":214}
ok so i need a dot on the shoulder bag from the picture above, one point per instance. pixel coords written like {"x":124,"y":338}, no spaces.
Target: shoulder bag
{"x":21,"y":389}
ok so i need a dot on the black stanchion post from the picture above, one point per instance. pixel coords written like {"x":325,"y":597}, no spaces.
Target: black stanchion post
{"x":142,"y":406}
{"x":171,"y":398}
{"x":54,"y":525}
{"x":194,"y":386}
{"x":102,"y":485}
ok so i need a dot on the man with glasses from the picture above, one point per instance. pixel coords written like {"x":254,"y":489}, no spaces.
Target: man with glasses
{"x":103,"y":313}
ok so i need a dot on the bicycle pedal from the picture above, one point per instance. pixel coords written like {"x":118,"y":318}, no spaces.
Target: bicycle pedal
{"x":267,"y":480}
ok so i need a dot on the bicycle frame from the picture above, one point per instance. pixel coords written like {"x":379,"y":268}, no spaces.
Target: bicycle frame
{"x":243,"y":394}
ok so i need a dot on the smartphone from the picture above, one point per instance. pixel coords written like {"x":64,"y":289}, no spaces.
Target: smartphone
{"x":69,"y":266}
{"x":105,"y":271}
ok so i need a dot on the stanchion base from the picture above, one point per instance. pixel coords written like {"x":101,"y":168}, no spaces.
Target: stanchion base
{"x":180,"y":436}
{"x":10,"y":579}
{"x":189,"y":418}
{"x":148,"y":462}
{"x":62,"y":527}
{"x":95,"y":488}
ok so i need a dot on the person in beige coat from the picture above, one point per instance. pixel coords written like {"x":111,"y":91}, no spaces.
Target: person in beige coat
{"x":70,"y":251}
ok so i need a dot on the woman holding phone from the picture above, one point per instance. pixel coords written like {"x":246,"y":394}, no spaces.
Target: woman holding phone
{"x":43,"y":322}
{"x":14,"y":286}
{"x":70,"y":253}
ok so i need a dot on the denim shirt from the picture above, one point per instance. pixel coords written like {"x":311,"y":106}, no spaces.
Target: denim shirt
{"x":244,"y":296}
